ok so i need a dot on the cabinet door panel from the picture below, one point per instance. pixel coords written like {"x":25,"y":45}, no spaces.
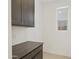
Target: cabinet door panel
{"x":28,"y":12}
{"x":38,"y":55}
{"x":31,"y":11}
{"x":16,"y":12}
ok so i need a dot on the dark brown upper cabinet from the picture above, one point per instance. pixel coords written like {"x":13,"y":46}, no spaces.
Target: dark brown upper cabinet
{"x":23,"y":13}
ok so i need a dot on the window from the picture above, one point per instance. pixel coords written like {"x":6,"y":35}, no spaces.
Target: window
{"x":62,"y":18}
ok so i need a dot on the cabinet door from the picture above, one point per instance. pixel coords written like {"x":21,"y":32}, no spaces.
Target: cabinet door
{"x":16,"y":12}
{"x":28,"y":12}
{"x":38,"y":55}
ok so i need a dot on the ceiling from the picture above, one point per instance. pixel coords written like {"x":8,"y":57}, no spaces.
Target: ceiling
{"x":48,"y":0}
{"x":54,"y":1}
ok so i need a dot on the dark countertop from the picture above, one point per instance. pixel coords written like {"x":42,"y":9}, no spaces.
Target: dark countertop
{"x":22,"y":49}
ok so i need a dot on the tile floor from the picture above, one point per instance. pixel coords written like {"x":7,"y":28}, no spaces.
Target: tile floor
{"x":53,"y":56}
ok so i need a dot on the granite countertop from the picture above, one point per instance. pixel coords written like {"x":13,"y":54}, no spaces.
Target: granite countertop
{"x":22,"y":49}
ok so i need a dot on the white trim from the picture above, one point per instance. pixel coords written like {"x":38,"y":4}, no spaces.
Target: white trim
{"x":62,"y":7}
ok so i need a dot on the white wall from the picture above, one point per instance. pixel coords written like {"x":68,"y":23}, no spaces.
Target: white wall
{"x":9,"y":31}
{"x":57,"y":42}
{"x":21,"y":34}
